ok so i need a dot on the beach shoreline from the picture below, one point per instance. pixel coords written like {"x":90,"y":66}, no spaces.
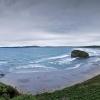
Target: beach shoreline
{"x":40,"y":82}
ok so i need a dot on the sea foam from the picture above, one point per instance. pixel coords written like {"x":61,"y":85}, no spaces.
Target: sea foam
{"x":31,"y":68}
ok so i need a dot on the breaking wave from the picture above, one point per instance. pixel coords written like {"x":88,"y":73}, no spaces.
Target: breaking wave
{"x":3,"y":62}
{"x":31,"y":68}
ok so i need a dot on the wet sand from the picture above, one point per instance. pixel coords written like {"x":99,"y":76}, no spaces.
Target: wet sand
{"x":39,"y":82}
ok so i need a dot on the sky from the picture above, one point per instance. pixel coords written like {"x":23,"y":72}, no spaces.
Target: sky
{"x":49,"y":22}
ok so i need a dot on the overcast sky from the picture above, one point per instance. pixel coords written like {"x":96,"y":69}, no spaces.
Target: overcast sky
{"x":49,"y":22}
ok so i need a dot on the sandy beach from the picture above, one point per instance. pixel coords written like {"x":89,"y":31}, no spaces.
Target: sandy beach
{"x":39,"y":82}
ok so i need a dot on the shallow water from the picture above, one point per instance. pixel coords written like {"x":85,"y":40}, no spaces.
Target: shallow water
{"x":43,"y":59}
{"x":45,"y":69}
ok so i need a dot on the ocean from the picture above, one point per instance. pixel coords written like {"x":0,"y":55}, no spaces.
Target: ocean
{"x":43,"y":59}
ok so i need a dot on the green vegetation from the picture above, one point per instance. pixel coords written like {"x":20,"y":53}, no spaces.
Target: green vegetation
{"x":7,"y":92}
{"x":24,"y":97}
{"x":88,"y":90}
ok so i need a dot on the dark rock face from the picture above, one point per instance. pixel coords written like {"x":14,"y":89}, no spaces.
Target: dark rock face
{"x":79,"y":53}
{"x":2,"y":75}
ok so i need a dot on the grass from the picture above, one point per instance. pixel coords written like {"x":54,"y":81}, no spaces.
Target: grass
{"x":88,"y":90}
{"x":7,"y":92}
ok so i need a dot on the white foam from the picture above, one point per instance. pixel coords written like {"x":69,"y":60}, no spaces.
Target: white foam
{"x":66,"y":61}
{"x":51,"y":58}
{"x":31,"y":71}
{"x":3,"y":62}
{"x":77,"y":66}
{"x":97,"y":60}
{"x":32,"y":68}
{"x":58,"y":57}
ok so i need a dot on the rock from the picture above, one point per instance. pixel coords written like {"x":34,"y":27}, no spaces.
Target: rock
{"x":2,"y":75}
{"x":79,"y":53}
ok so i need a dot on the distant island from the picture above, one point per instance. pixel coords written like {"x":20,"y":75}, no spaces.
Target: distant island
{"x":92,"y":46}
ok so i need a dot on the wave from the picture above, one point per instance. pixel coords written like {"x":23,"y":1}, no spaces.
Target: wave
{"x":66,"y":61}
{"x":31,"y":68}
{"x":52,"y":58}
{"x":3,"y":62}
{"x":57,"y":60}
{"x":34,"y":66}
{"x":77,"y":66}
{"x":58,"y":57}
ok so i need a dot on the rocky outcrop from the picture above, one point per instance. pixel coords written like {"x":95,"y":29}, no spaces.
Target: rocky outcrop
{"x":79,"y":53}
{"x":1,"y":74}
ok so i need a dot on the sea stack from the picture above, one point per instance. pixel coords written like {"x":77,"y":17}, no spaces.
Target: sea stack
{"x":79,"y":53}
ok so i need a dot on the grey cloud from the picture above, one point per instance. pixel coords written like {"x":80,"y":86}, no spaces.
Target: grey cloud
{"x":21,"y":19}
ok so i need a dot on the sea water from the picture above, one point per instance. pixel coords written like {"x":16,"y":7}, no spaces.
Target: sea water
{"x":43,"y":59}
